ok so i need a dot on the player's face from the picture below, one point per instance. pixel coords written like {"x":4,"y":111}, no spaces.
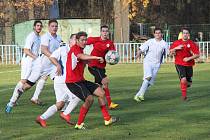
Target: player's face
{"x":185,"y":34}
{"x":82,"y":41}
{"x":104,"y":33}
{"x":53,"y":28}
{"x":72,"y":40}
{"x":158,"y":35}
{"x":38,"y":28}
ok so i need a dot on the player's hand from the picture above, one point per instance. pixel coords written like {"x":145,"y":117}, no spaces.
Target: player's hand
{"x":179,"y":47}
{"x":100,"y":59}
{"x":59,"y":70}
{"x":186,"y":59}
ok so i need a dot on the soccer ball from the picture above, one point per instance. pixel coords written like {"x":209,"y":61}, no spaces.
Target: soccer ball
{"x":112,"y":57}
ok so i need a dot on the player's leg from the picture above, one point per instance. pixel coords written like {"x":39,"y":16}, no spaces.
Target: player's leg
{"x":99,"y":92}
{"x":61,"y":96}
{"x":189,"y":75}
{"x":80,"y":90}
{"x":181,"y":70}
{"x":148,"y":72}
{"x":39,"y":87}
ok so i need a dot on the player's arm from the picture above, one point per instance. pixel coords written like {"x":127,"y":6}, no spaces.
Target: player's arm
{"x":175,"y":47}
{"x":89,"y":57}
{"x":45,"y":50}
{"x":54,"y":59}
{"x":138,"y":54}
{"x":195,"y":51}
{"x":194,"y":56}
{"x":29,"y":53}
{"x":143,"y":48}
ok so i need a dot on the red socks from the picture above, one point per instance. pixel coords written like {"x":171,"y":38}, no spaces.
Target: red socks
{"x":82,"y":114}
{"x":183,"y":87}
{"x":108,"y":97}
{"x":105,"y":113}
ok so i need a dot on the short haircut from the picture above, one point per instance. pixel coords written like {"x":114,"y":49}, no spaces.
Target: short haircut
{"x":185,"y":28}
{"x":71,"y":36}
{"x":51,"y":21}
{"x":104,"y":26}
{"x":79,"y":34}
{"x":158,"y":29}
{"x":37,"y":21}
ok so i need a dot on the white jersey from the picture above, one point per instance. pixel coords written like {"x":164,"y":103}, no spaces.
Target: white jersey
{"x":33,"y":43}
{"x":154,"y":51}
{"x":52,"y":43}
{"x":61,"y":55}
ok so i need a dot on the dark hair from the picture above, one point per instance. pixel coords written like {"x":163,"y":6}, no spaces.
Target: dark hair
{"x":185,"y":28}
{"x":157,"y":29}
{"x":37,"y":21}
{"x":51,"y":21}
{"x":71,"y":36}
{"x":104,"y":26}
{"x":81,"y":33}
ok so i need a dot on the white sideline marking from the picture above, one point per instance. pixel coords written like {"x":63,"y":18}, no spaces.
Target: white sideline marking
{"x":2,"y":90}
{"x":9,"y":71}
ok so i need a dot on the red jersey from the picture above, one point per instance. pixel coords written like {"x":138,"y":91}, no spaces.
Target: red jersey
{"x":188,"y":50}
{"x":100,"y":48}
{"x":74,"y":67}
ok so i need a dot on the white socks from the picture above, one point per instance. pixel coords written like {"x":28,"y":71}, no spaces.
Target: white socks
{"x":73,"y":103}
{"x":39,"y":87}
{"x":15,"y":95}
{"x":143,"y":88}
{"x":50,"y":112}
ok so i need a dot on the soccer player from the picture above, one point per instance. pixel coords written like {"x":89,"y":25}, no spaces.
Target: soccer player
{"x":80,"y":87}
{"x":154,"y":50}
{"x":30,"y":57}
{"x":185,"y":51}
{"x":42,"y":67}
{"x":59,"y":58}
{"x":49,"y":43}
{"x":101,"y":45}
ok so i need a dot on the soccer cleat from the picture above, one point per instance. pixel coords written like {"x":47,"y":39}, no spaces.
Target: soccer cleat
{"x":184,"y":98}
{"x":80,"y":127}
{"x":37,"y":102}
{"x":141,"y":98}
{"x":8,"y":108}
{"x":41,"y":121}
{"x":137,"y":99}
{"x":111,"y":121}
{"x":113,"y":105}
{"x":65,"y":117}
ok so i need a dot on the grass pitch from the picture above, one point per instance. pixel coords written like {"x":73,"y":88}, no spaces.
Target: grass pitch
{"x":162,"y":116}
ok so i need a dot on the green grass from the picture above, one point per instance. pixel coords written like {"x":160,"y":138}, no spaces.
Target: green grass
{"x":163,"y":116}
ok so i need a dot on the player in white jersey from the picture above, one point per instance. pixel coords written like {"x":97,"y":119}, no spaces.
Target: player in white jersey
{"x":154,"y":50}
{"x":49,"y":43}
{"x":59,"y":58}
{"x":30,"y":57}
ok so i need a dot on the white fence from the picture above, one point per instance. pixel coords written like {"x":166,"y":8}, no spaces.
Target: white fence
{"x":12,"y":54}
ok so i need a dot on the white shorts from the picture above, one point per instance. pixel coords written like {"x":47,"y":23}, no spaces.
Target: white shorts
{"x":36,"y":70}
{"x":151,"y":70}
{"x":62,"y":93}
{"x":26,"y":67}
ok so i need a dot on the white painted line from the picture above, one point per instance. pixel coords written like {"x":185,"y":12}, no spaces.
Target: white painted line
{"x":9,"y":71}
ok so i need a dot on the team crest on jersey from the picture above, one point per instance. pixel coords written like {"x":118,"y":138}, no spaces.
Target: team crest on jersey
{"x":107,"y":45}
{"x":188,"y":45}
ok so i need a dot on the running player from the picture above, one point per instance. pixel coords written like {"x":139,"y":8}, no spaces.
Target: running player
{"x":154,"y":50}
{"x":101,"y":45}
{"x":185,"y":51}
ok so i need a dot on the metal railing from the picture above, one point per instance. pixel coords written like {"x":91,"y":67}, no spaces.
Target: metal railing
{"x":12,"y":54}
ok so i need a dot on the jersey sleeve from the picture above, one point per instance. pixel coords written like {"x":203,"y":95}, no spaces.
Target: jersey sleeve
{"x":29,"y":42}
{"x":195,"y":48}
{"x":174,"y":45}
{"x":56,"y":54}
{"x":145,"y":46}
{"x":45,"y":40}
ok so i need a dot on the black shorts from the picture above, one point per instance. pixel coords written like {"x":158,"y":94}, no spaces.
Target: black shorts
{"x":98,"y":74}
{"x":185,"y":71}
{"x":82,"y":89}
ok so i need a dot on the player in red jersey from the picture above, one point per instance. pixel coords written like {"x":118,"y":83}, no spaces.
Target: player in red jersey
{"x":80,"y":87}
{"x":185,"y":51}
{"x":101,"y":45}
